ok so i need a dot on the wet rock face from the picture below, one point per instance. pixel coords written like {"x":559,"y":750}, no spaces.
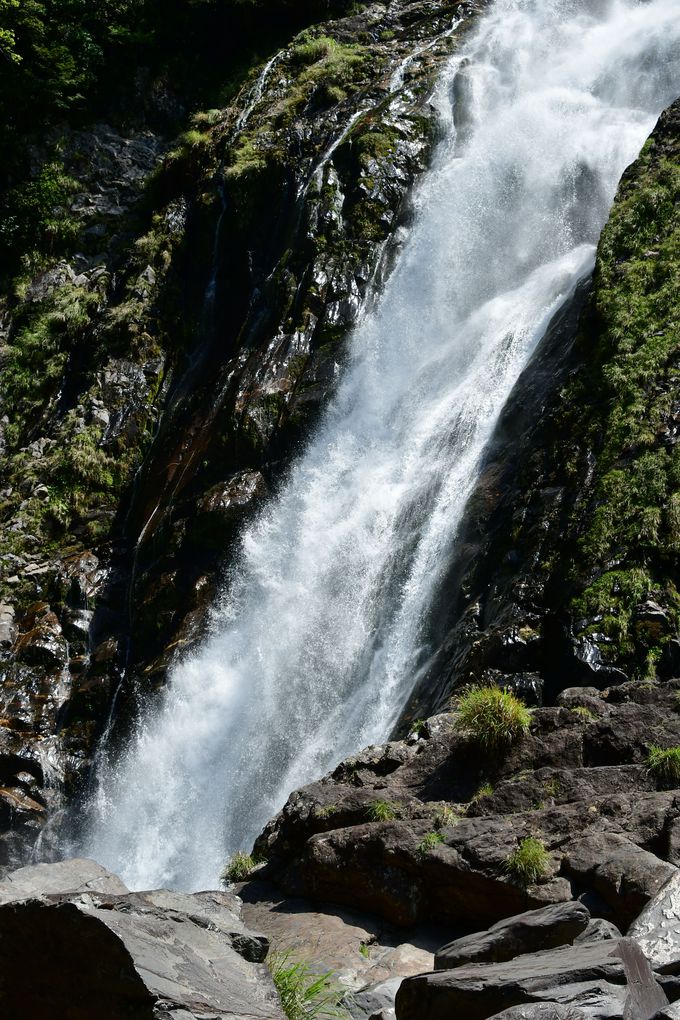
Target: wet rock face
{"x":107,"y":952}
{"x":185,"y":351}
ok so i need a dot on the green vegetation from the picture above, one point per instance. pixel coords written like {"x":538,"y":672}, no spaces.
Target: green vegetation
{"x":239,"y":868}
{"x":365,"y":951}
{"x":382,"y":811}
{"x":494,"y":718}
{"x":304,"y":994}
{"x":665,"y":764}
{"x":584,"y":713}
{"x":429,"y":842}
{"x":529,"y":862}
{"x":485,"y":790}
{"x":446,"y":817}
{"x":630,"y":533}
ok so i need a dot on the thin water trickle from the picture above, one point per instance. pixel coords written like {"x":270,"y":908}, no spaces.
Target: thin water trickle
{"x":319,"y":633}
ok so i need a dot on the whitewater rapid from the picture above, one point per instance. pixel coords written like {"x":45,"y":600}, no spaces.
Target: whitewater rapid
{"x":319,"y":635}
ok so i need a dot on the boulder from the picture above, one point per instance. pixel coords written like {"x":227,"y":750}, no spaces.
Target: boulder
{"x":598,"y":928}
{"x":116,"y":955}
{"x":74,"y":875}
{"x":644,"y":995}
{"x":529,"y":932}
{"x":374,"y":1000}
{"x":623,"y":873}
{"x":657,"y":929}
{"x":571,"y":974}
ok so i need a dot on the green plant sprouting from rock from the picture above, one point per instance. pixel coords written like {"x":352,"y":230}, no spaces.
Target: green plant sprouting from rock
{"x":493,"y":718}
{"x":664,"y":764}
{"x":429,"y":841}
{"x":239,"y":867}
{"x":530,"y":862}
{"x":305,"y":995}
{"x":382,"y":811}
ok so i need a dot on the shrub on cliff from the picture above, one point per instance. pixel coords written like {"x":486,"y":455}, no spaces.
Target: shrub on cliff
{"x":494,"y":718}
{"x":665,"y":764}
{"x":529,"y":862}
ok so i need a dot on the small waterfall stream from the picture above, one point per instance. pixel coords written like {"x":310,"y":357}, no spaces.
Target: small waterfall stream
{"x":318,"y":637}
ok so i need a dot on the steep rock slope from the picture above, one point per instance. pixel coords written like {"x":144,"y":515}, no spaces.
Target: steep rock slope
{"x":154,"y":384}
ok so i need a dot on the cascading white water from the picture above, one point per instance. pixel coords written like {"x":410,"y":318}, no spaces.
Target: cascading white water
{"x":319,"y":635}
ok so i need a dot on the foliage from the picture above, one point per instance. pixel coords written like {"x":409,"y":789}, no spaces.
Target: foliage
{"x":630,"y":531}
{"x":239,"y":868}
{"x":584,"y":713}
{"x":664,"y":764}
{"x":381,"y":811}
{"x":304,"y":994}
{"x":429,"y":842}
{"x":493,"y":717}
{"x":529,"y":862}
{"x":446,"y":817}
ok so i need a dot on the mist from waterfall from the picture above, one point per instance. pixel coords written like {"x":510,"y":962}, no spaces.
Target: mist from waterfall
{"x":320,"y":633}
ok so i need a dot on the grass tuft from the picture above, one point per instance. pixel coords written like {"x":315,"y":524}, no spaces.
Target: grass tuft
{"x":381,"y":811}
{"x":304,"y":994}
{"x":664,"y":764}
{"x":429,"y":842}
{"x":529,"y":862}
{"x":494,"y":718}
{"x":239,"y":867}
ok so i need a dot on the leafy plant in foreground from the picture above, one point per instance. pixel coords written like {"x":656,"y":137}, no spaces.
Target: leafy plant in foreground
{"x":304,"y":994}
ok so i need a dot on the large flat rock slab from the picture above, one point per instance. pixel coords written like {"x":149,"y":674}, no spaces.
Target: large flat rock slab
{"x":361,"y":949}
{"x":534,"y":930}
{"x":77,"y":874}
{"x":479,"y":991}
{"x":128,"y":956}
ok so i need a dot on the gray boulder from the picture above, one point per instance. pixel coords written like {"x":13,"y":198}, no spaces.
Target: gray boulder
{"x":116,"y":955}
{"x":584,"y":975}
{"x":657,"y":929}
{"x":534,"y":930}
{"x":597,"y":930}
{"x":373,"y":1000}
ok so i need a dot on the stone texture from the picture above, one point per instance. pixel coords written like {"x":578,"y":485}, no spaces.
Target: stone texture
{"x":479,"y":991}
{"x":529,"y":932}
{"x":657,"y":929}
{"x":113,"y":954}
{"x":598,"y":929}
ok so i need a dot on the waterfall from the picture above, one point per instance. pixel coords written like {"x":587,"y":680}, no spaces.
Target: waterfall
{"x":320,"y":631}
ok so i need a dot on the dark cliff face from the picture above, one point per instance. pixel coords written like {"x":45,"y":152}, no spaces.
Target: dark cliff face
{"x":567,"y":569}
{"x":156,"y":381}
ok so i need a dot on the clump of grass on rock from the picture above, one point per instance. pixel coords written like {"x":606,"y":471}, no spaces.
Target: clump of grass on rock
{"x":494,"y":718}
{"x":529,"y":862}
{"x":304,"y":994}
{"x":239,"y":868}
{"x":381,"y":811}
{"x":665,"y":764}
